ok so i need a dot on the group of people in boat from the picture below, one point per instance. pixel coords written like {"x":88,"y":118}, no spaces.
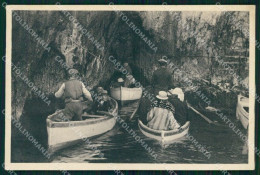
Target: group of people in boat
{"x":103,"y":102}
{"x":167,"y":113}
{"x":75,"y":94}
{"x":125,"y":78}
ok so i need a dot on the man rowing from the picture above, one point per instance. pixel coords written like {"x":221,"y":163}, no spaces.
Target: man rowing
{"x":160,"y":117}
{"x":74,"y":92}
{"x":129,"y":75}
{"x":128,"y":68}
{"x":162,"y":78}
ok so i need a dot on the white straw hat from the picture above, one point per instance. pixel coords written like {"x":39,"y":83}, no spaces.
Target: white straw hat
{"x":162,"y":95}
{"x":120,"y":80}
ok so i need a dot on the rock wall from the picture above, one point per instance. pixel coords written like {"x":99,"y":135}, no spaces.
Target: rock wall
{"x":106,"y":33}
{"x":68,"y":43}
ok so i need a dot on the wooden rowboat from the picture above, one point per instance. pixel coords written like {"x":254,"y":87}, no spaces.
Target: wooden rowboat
{"x":124,"y":94}
{"x":164,"y":136}
{"x":242,"y":111}
{"x":65,"y":134}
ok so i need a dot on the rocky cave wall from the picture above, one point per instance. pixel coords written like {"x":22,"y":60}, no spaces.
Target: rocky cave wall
{"x":67,"y":42}
{"x":166,"y":30}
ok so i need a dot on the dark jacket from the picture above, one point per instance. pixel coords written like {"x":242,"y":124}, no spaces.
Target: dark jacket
{"x":129,"y":70}
{"x":104,"y":106}
{"x":162,"y":80}
{"x":181,"y":109}
{"x":117,"y":84}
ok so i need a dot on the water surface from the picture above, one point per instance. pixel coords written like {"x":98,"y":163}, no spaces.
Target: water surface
{"x":118,"y":146}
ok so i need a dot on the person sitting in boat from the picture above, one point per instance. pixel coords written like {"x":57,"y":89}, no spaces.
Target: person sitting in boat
{"x":129,"y":82}
{"x":105,"y":104}
{"x":74,"y":92}
{"x":162,"y":78}
{"x":119,"y":83}
{"x":97,"y":97}
{"x":160,"y":117}
{"x":128,"y":68}
{"x":128,"y":75}
{"x":99,"y":91}
{"x":176,"y":98}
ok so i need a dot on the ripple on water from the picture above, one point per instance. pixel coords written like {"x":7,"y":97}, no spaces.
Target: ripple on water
{"x":118,"y":146}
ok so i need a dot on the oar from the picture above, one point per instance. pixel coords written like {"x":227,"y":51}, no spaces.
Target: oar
{"x":197,"y":112}
{"x":203,"y":116}
{"x":135,"y":110}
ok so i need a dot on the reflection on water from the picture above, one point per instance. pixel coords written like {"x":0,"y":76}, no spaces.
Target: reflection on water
{"x":118,"y":146}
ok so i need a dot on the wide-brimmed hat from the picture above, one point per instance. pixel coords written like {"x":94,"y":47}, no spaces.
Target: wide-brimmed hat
{"x":162,"y":95}
{"x":120,"y":80}
{"x":100,"y":89}
{"x":104,"y":92}
{"x":162,"y":60}
{"x":178,"y":92}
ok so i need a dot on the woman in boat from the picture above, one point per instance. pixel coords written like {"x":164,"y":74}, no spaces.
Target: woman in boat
{"x":176,"y":98}
{"x":74,"y":92}
{"x":160,"y":117}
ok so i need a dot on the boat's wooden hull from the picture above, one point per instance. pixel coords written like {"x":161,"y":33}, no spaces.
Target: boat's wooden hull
{"x":64,"y":134}
{"x":241,"y":113}
{"x":125,"y":95}
{"x":164,"y":136}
